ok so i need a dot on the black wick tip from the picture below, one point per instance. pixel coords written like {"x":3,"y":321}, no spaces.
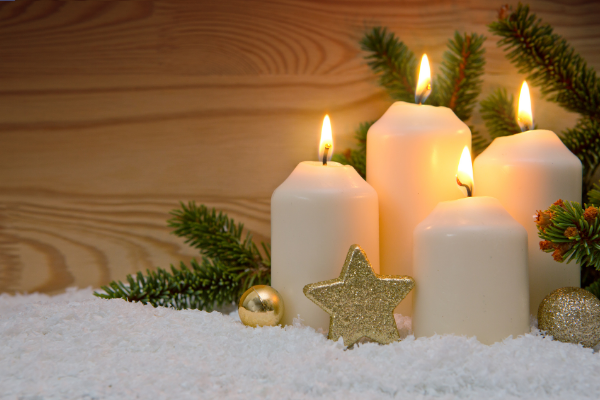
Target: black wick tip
{"x":468,"y":187}
{"x":326,"y":153}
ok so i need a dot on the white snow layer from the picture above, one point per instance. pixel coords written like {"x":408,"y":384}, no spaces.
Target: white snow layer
{"x":76,"y":346}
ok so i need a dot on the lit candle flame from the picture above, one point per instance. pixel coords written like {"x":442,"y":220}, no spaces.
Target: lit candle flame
{"x":424,"y":83}
{"x":525,"y":116}
{"x":326,"y":144}
{"x":464,"y":173}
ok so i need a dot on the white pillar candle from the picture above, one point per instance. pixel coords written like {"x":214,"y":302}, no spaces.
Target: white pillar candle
{"x":316,"y":215}
{"x":528,"y":172}
{"x":412,"y":152}
{"x":470,"y":269}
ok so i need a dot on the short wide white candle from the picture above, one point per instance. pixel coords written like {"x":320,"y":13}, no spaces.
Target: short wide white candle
{"x":470,"y":271}
{"x":316,"y":215}
{"x":528,"y":172}
{"x":412,"y":152}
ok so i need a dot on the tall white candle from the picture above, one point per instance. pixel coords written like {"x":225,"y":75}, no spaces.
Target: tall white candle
{"x":316,"y":215}
{"x":528,"y":172}
{"x":470,"y":271}
{"x":412,"y":152}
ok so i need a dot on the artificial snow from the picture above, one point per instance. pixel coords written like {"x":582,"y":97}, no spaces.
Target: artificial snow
{"x":76,"y":346}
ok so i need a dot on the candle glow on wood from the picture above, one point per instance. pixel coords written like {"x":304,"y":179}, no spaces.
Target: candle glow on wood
{"x":464,"y":173}
{"x":326,"y":143}
{"x":524,"y":115}
{"x":424,"y":82}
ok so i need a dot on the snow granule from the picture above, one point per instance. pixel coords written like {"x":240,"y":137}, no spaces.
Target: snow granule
{"x":76,"y":346}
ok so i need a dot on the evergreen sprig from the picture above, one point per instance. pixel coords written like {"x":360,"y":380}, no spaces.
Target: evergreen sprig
{"x":392,"y":61}
{"x":457,"y":86}
{"x":584,"y":141}
{"x":570,"y":232}
{"x":459,"y":83}
{"x":498,"y":113}
{"x":562,"y":75}
{"x":594,"y":288}
{"x":202,"y":287}
{"x":357,"y":157}
{"x":230,"y":265}
{"x":218,"y":237}
{"x":549,"y":61}
{"x":594,"y":196}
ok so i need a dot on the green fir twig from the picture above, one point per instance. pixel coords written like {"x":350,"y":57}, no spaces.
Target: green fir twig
{"x":498,"y":113}
{"x":457,"y":86}
{"x":459,"y":83}
{"x":549,"y":62}
{"x":562,"y":75}
{"x":391,"y":60}
{"x":357,"y":157}
{"x":584,"y":141}
{"x":570,"y":232}
{"x":230,"y":265}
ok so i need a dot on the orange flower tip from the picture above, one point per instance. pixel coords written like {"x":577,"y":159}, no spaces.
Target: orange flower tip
{"x":543,"y":219}
{"x":571,"y":232}
{"x":590,"y":213}
{"x":546,"y":245}
{"x":504,"y":12}
{"x":559,"y":203}
{"x":557,"y":255}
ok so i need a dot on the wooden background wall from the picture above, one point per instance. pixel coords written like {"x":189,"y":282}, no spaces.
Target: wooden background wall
{"x":113,"y":111}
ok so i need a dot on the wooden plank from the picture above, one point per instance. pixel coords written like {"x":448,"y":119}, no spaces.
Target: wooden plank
{"x":50,"y":241}
{"x":111,"y":112}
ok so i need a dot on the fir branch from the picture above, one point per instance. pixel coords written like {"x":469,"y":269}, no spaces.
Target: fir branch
{"x":203,"y":287}
{"x":234,"y":267}
{"x":392,"y":61}
{"x":498,"y":113}
{"x":357,"y":158}
{"x":460,"y":81}
{"x":549,"y":61}
{"x":584,"y":141}
{"x":594,"y":195}
{"x":478,"y":142}
{"x":570,"y":232}
{"x":594,"y":288}
{"x":457,"y":87}
{"x":217,"y":236}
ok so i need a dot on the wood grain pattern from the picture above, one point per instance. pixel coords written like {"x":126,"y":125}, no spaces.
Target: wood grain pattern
{"x":113,"y":111}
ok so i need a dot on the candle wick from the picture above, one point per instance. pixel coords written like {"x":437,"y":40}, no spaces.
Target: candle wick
{"x":525,"y":127}
{"x":468,"y":187}
{"x":325,"y":153}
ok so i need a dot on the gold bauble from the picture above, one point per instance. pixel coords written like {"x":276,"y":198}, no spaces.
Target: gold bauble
{"x":261,"y":305}
{"x":571,"y":315}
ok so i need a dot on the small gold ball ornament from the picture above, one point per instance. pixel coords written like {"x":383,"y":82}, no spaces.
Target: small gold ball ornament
{"x":261,"y":305}
{"x":571,"y":315}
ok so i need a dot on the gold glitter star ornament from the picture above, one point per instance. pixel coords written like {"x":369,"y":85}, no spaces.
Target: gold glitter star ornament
{"x":360,"y":302}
